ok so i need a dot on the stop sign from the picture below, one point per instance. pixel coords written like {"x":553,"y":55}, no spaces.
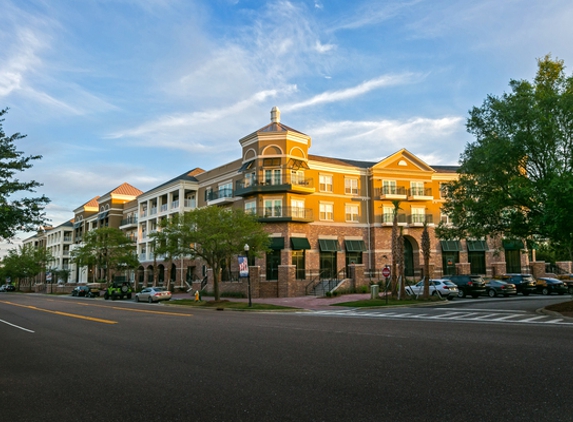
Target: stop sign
{"x":386,"y":272}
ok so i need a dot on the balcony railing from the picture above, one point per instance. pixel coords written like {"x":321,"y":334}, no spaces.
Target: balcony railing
{"x":391,"y":192}
{"x":282,"y":214}
{"x":284,"y":183}
{"x":190,"y":203}
{"x":175,"y":204}
{"x":129,"y":221}
{"x":153,"y":211}
{"x":420,"y":193}
{"x":163,"y":208}
{"x":219,"y":194}
{"x":407,"y":219}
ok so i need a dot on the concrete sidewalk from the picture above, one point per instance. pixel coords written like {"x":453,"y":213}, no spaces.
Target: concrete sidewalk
{"x":311,"y":303}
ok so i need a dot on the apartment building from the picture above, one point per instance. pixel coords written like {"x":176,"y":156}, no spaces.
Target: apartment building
{"x":143,"y":216}
{"x":107,"y":210}
{"x":325,"y":216}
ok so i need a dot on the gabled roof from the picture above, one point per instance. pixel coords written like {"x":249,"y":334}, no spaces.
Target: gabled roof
{"x":125,"y":189}
{"x":342,"y":161}
{"x":187,"y":176}
{"x":91,"y":203}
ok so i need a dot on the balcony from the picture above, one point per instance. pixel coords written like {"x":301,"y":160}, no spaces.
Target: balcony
{"x":409,"y":220}
{"x":391,"y":193}
{"x":420,"y":194}
{"x":285,"y":214}
{"x":153,"y":210}
{"x":286,"y":183}
{"x":175,"y":204}
{"x":190,"y":203}
{"x":220,"y":197}
{"x":163,"y":208}
{"x":129,"y":221}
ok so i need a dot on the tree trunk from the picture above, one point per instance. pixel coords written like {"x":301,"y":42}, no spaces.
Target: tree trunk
{"x":216,"y":278}
{"x":400,"y":259}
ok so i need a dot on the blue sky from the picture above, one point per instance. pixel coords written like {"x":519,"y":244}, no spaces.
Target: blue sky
{"x":139,"y":91}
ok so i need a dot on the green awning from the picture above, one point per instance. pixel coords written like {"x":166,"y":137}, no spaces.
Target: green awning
{"x":512,"y":244}
{"x":78,"y":224}
{"x":450,"y":245}
{"x":354,"y":245}
{"x":477,"y":245}
{"x":102,"y":215}
{"x":277,"y":243}
{"x":298,"y":243}
{"x":247,"y":166}
{"x":328,"y":245}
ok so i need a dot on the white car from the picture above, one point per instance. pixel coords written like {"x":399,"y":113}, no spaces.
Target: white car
{"x":153,"y":294}
{"x":445,"y":288}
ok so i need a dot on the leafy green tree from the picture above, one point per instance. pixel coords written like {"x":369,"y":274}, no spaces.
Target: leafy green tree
{"x":169,"y":241}
{"x":24,"y":263}
{"x":17,"y":213}
{"x":218,"y":234}
{"x":106,"y":248}
{"x":516,"y":178}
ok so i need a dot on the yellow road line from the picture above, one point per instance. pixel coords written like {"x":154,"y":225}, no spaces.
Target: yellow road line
{"x":103,"y":321}
{"x":135,"y":310}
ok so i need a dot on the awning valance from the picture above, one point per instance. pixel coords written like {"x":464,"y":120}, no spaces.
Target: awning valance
{"x":102,"y":215}
{"x":355,"y":245}
{"x":298,"y":243}
{"x":512,"y":244}
{"x":277,"y":243}
{"x":450,"y":245}
{"x":477,"y":245}
{"x":247,"y":166}
{"x":328,"y":245}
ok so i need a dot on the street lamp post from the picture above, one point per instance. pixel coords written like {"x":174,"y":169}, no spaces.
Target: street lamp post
{"x":246,"y":247}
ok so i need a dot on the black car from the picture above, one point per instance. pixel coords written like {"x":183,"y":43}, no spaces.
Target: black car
{"x":548,"y":285}
{"x":498,"y":287}
{"x":524,"y":283}
{"x":7,"y":288}
{"x":85,"y":291}
{"x":468,"y":284}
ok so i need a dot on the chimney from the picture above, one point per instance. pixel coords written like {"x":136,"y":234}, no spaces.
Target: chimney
{"x":275,"y":115}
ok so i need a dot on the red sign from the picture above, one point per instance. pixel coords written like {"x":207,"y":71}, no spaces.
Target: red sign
{"x":386,"y":272}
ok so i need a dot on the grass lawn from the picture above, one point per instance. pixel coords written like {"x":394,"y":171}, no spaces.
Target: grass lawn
{"x":391,"y":302}
{"x":226,"y":304}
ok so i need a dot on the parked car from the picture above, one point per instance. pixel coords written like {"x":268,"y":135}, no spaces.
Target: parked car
{"x":153,"y":294}
{"x":568,"y":281}
{"x":468,"y":284}
{"x":548,"y":285}
{"x":7,"y":288}
{"x":499,"y":287}
{"x":445,"y":288}
{"x":86,"y":291}
{"x":524,"y":283}
{"x":118,"y":290}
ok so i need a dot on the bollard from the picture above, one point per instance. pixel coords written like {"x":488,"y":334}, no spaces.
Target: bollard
{"x":374,"y":290}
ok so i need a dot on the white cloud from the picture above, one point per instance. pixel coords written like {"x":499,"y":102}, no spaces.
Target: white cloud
{"x":363,"y":88}
{"x":441,"y":139}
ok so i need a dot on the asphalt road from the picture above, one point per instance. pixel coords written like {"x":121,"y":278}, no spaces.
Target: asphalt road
{"x":91,"y":360}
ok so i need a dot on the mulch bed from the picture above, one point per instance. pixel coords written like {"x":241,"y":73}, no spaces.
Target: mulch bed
{"x":565,"y":308}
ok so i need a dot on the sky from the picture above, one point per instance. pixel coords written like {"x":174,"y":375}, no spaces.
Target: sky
{"x":141,"y":91}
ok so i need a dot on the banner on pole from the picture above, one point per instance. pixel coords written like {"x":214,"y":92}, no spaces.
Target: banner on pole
{"x":243,"y":266}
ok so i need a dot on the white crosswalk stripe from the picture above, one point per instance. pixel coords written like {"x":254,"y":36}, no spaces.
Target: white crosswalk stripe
{"x":482,"y":315}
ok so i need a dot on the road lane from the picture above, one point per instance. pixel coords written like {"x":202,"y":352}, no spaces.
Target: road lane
{"x":235,"y":366}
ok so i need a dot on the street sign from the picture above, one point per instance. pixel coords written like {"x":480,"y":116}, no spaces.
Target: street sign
{"x":386,"y":272}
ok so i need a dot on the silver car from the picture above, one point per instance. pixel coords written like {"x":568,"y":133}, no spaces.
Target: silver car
{"x":445,"y":288}
{"x":153,"y":294}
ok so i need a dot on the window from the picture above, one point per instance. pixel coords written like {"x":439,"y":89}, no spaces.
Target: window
{"x":297,"y":177}
{"x":351,"y":186}
{"x":389,"y":187}
{"x":325,"y":183}
{"x":418,"y":215}
{"x":417,"y":188}
{"x":444,"y":218}
{"x":326,"y":212}
{"x":273,"y":177}
{"x":251,"y":207}
{"x":273,"y":207}
{"x":297,"y":208}
{"x":250,"y":180}
{"x":388,"y":216}
{"x":226,"y":190}
{"x":272,"y":162}
{"x":298,"y":260}
{"x":443,"y":187}
{"x":351,"y":213}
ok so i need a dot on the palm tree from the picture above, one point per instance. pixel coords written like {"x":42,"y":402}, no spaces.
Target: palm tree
{"x":396,"y":204}
{"x":426,"y":253}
